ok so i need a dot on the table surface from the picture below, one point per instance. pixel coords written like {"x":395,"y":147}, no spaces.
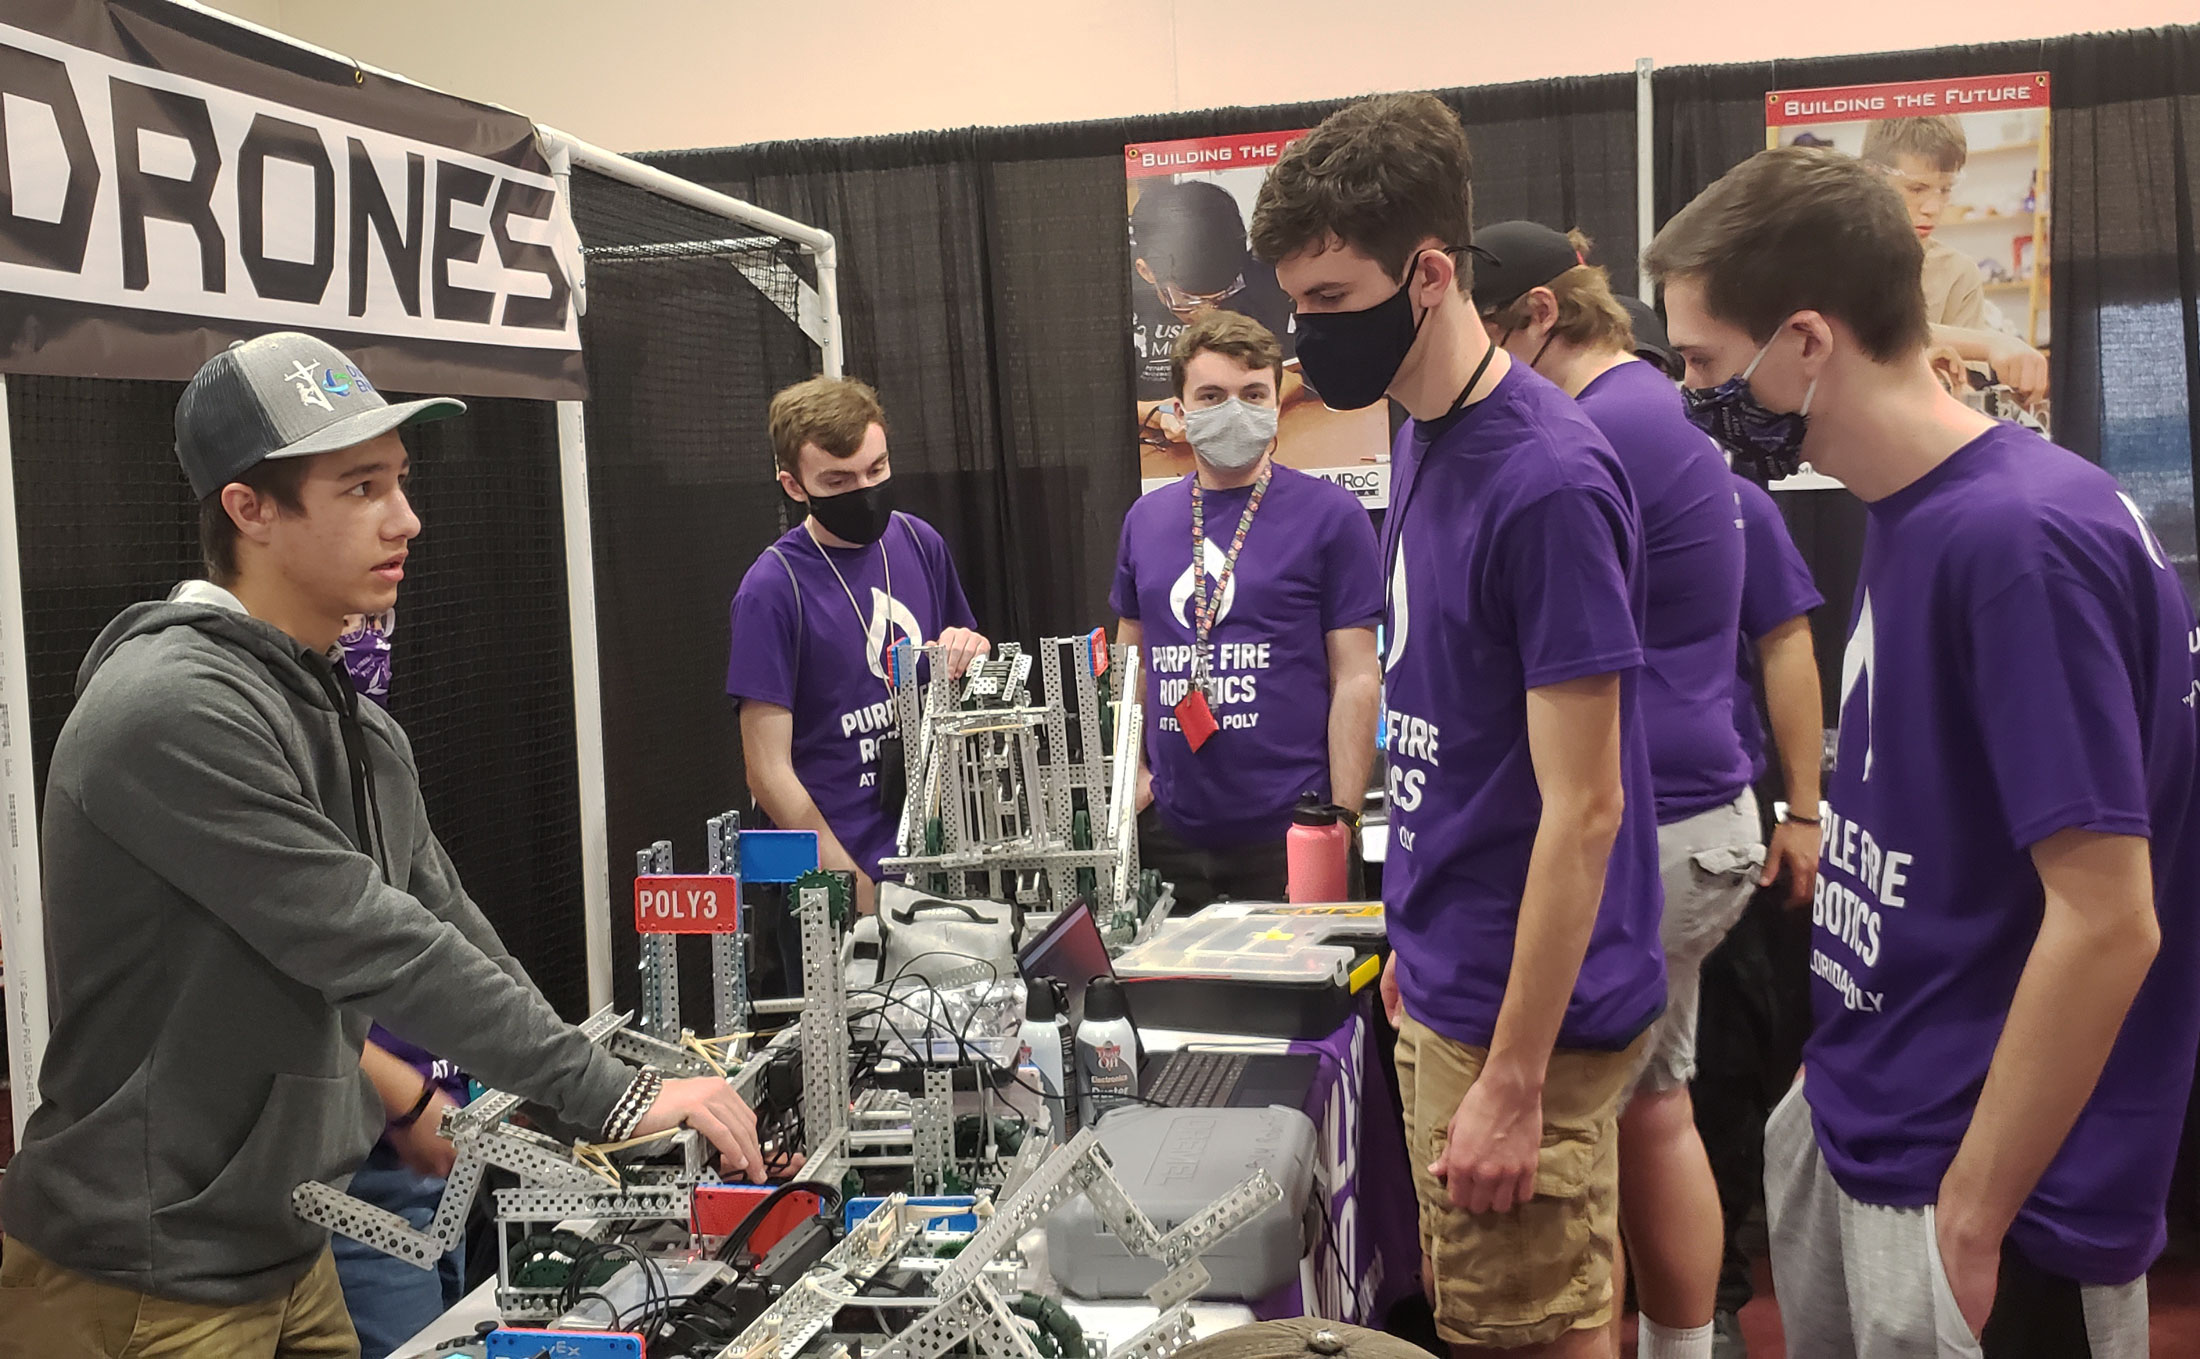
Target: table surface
{"x":1114,"y":1322}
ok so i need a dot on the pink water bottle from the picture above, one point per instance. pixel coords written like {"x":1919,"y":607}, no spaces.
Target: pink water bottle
{"x":1317,"y":853}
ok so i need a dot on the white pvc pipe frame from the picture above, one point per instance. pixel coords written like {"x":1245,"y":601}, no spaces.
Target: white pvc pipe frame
{"x":565,"y":152}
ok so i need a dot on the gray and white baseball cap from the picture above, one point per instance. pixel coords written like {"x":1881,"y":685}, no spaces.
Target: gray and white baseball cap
{"x":284,"y":395}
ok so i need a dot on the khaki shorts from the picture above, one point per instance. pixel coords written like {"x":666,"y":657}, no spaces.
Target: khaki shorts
{"x":1529,"y":1276}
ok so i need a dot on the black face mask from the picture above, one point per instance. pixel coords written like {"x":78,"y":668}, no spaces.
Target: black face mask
{"x":1350,"y":357}
{"x":859,"y":516}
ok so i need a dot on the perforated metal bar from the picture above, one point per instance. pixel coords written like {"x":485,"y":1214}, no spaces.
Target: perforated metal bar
{"x":1130,"y":735}
{"x":729,"y":970}
{"x":824,"y":1027}
{"x":632,"y":1045}
{"x":932,"y":1130}
{"x":1063,"y":1175}
{"x":509,"y":1149}
{"x":634,"y":1203}
{"x":660,"y":961}
{"x":385,"y":1231}
{"x":1164,"y":1336}
{"x":974,"y":1314}
{"x":954,"y":830}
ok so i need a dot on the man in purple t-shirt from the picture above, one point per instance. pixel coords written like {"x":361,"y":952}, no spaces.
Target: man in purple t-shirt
{"x":1277,"y":638}
{"x":1554,"y":311}
{"x":1522,"y":896}
{"x":2005,"y":928}
{"x":815,"y":623}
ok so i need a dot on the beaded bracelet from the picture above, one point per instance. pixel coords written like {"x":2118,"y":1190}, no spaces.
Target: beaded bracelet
{"x":634,"y":1105}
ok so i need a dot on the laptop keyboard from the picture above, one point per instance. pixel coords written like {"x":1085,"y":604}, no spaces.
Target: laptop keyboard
{"x":1198,"y":1080}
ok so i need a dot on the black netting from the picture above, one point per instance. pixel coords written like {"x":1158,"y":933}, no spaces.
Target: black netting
{"x":482,"y":662}
{"x":105,"y":517}
{"x":483,"y":679}
{"x":686,"y":342}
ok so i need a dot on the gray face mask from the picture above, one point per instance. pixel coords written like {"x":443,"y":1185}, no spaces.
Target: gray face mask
{"x":1232,"y":435}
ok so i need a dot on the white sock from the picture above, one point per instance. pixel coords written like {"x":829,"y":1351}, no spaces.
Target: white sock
{"x":1656,"y":1342}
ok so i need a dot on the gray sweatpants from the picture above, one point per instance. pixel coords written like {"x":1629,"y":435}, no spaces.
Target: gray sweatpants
{"x":1864,"y":1281}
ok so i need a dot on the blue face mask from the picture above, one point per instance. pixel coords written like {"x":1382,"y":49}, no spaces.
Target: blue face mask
{"x":1766,"y":445}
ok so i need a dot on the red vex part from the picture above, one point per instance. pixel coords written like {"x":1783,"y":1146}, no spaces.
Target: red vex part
{"x":687,"y":905}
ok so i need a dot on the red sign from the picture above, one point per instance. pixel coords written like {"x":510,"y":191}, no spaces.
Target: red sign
{"x":1907,"y":99}
{"x":687,"y":905}
{"x":1252,"y":151}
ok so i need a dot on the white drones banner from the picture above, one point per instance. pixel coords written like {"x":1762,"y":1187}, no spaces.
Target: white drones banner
{"x":170,"y":182}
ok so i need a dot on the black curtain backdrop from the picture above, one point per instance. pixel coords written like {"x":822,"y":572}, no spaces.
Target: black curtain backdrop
{"x":982,"y":285}
{"x":982,"y":292}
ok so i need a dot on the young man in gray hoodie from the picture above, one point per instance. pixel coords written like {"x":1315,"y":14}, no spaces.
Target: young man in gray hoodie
{"x":240,"y":876}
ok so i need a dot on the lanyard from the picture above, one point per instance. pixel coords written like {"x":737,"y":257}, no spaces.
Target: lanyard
{"x":1394,"y":524}
{"x":863,"y":625}
{"x":1203,"y":617}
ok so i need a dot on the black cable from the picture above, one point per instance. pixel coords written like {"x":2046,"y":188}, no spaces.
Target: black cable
{"x":592,"y":1295}
{"x":740,"y":1235}
{"x":655,"y":1288}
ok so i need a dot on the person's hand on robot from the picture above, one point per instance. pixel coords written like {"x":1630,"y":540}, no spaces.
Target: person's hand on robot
{"x":709,"y":1105}
{"x":961,"y":648}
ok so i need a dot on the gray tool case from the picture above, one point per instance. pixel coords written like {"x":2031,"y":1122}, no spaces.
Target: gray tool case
{"x":1174,"y":1162}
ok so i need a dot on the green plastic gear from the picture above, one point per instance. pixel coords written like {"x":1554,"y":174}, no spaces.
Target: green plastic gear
{"x":839,"y":888}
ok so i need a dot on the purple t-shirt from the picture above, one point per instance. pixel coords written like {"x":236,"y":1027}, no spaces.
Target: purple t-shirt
{"x":824,"y":658}
{"x":2021,"y":663}
{"x":437,"y":1071}
{"x":1309,"y":567}
{"x":1776,"y":586}
{"x":1516,"y":563}
{"x":1692,"y":550}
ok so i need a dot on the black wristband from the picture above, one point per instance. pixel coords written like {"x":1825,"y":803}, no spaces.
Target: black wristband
{"x":420,"y":1106}
{"x":1792,"y":819}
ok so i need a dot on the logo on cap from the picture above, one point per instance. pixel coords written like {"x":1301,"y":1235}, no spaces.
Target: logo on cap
{"x":301,"y":375}
{"x":336,"y":382}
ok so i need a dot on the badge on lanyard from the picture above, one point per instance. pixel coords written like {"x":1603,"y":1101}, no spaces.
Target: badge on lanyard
{"x":1195,"y":718}
{"x":1195,"y":712}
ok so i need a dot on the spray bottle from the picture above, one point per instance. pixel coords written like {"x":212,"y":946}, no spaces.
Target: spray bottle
{"x":1107,"y":1051}
{"x":1045,"y":1050}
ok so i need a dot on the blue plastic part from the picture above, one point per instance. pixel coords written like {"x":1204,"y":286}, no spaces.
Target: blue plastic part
{"x":563,"y":1345}
{"x":861,"y":1208}
{"x":777,"y":855}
